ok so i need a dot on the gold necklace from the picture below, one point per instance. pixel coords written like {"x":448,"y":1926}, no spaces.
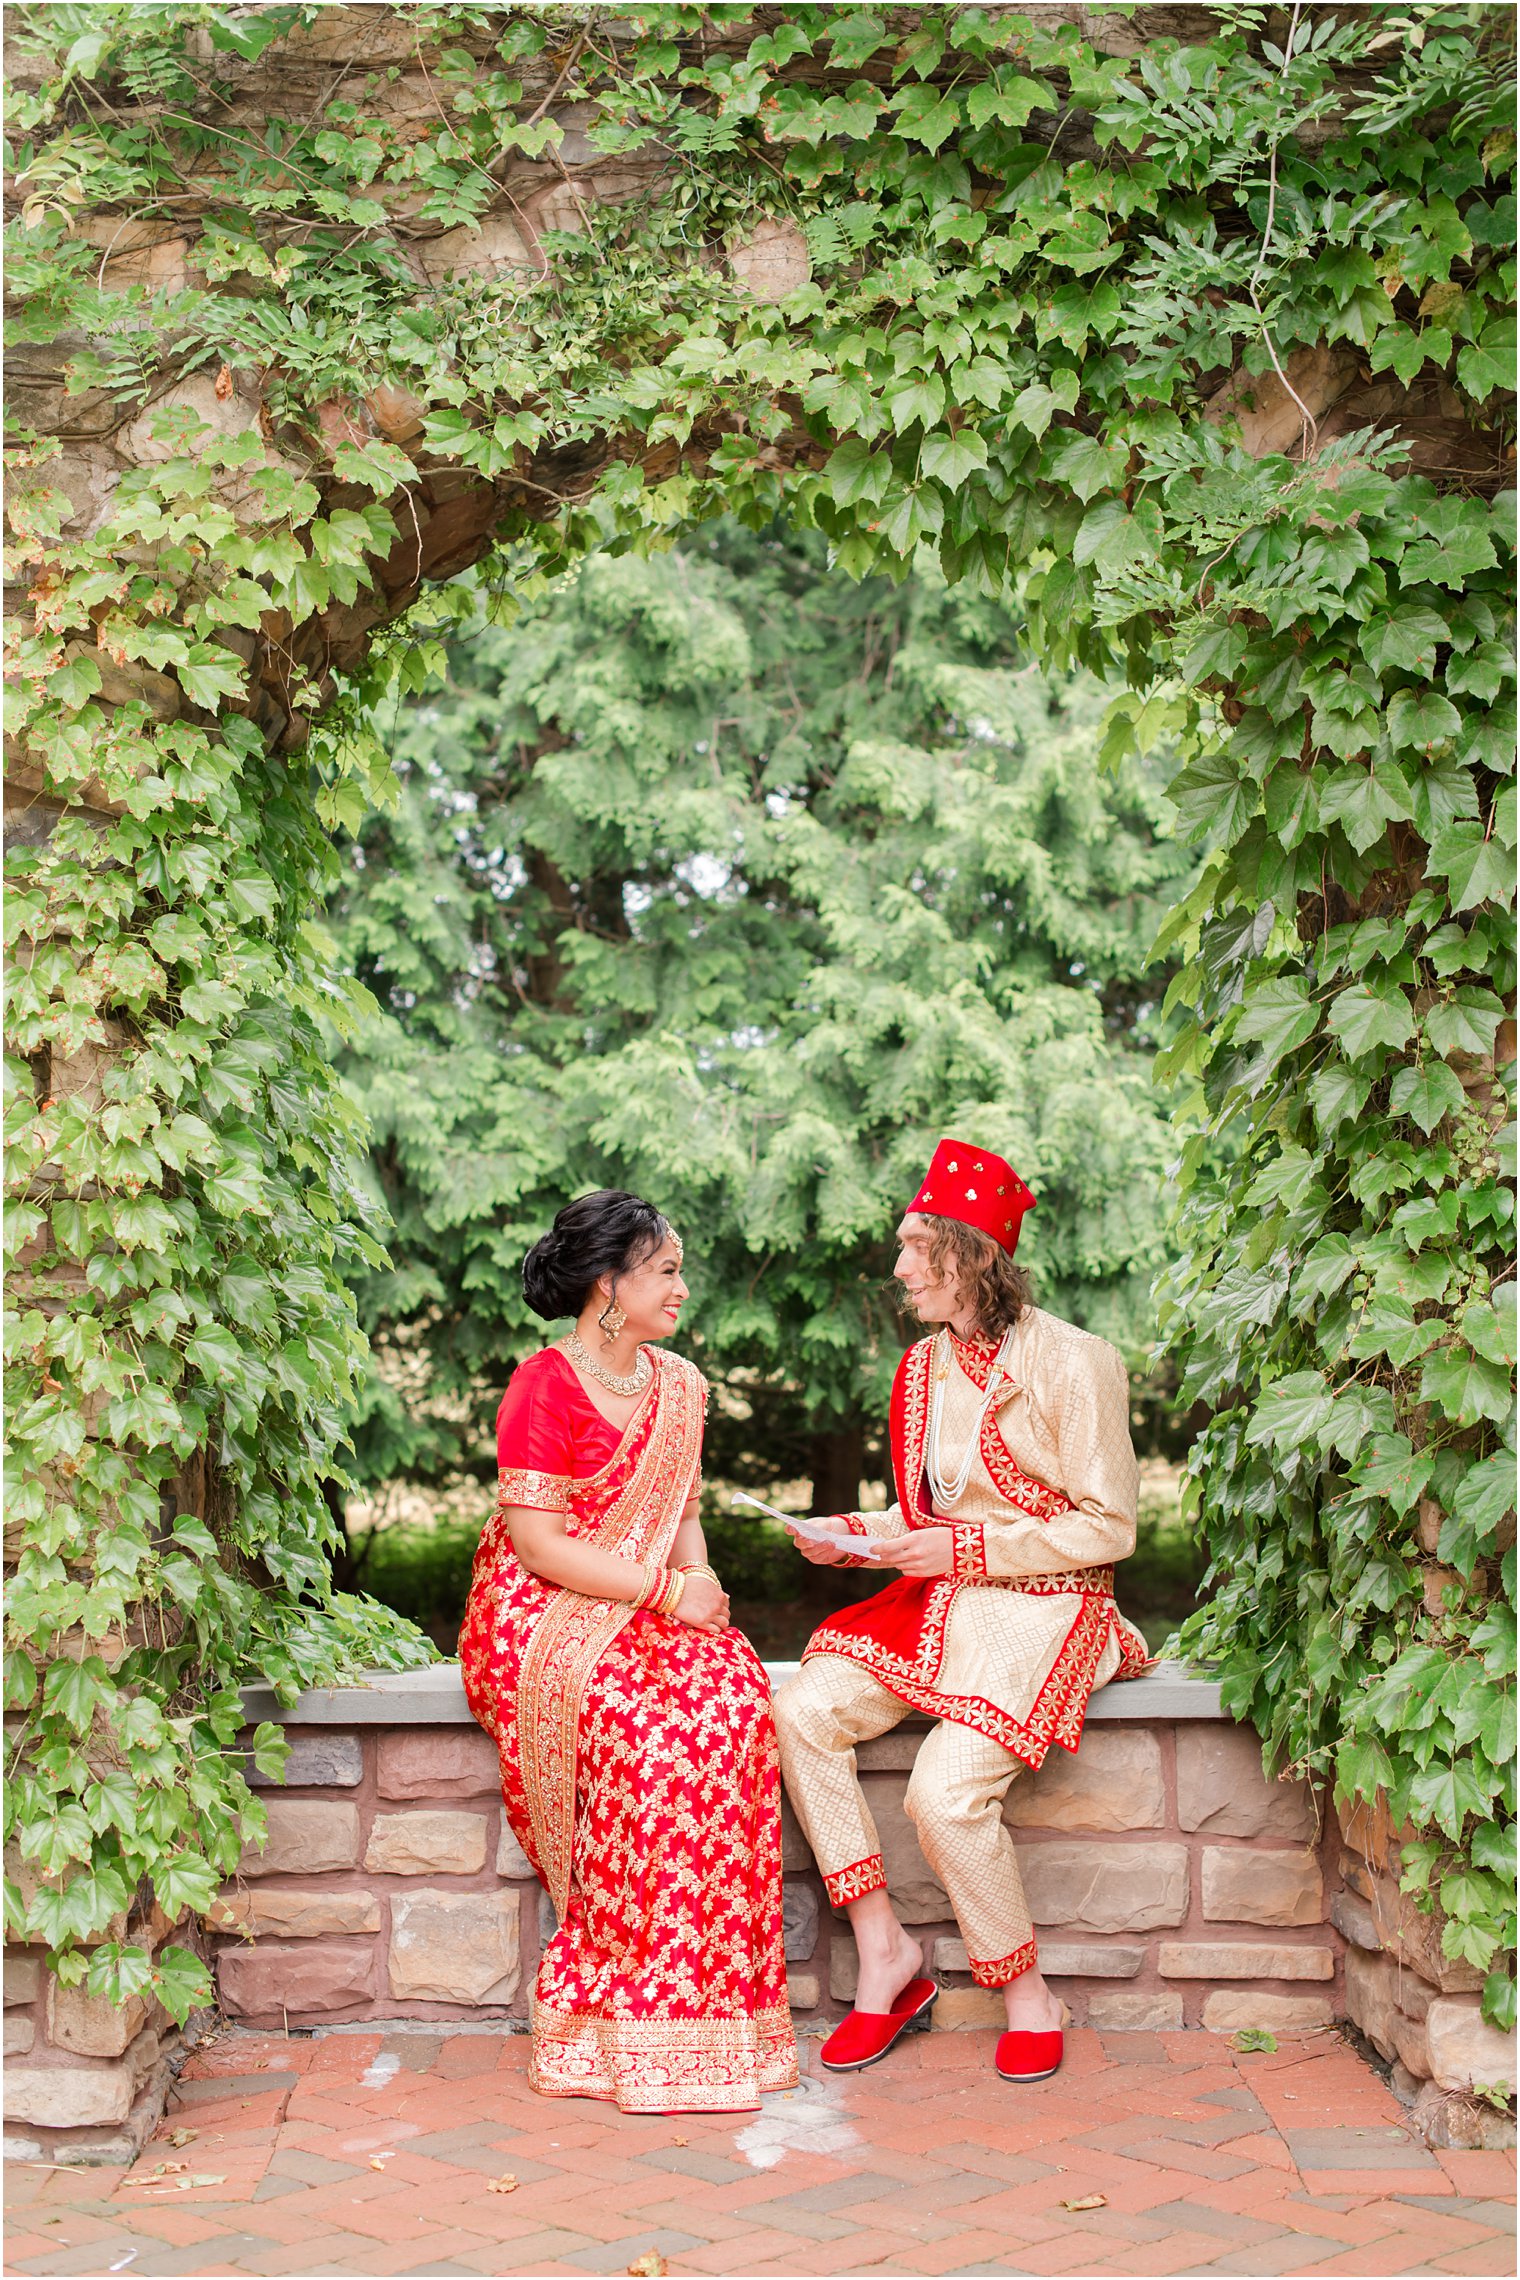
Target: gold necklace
{"x":625,"y":1388}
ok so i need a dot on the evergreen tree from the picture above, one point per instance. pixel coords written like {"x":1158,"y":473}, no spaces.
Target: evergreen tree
{"x":726,"y":880}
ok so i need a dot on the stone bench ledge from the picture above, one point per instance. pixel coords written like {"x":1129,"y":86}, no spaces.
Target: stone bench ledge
{"x":435,"y":1697}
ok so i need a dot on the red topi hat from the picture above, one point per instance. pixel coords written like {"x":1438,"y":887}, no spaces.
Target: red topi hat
{"x":978,"y":1187}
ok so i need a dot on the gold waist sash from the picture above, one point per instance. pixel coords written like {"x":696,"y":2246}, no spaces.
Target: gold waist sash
{"x":1092,"y":1582}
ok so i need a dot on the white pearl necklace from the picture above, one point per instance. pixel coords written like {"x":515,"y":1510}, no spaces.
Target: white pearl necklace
{"x":947,"y":1492}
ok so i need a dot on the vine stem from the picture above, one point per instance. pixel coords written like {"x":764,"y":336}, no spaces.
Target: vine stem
{"x":1311,"y":424}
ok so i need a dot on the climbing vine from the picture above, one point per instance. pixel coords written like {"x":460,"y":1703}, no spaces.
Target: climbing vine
{"x":1205,"y":349}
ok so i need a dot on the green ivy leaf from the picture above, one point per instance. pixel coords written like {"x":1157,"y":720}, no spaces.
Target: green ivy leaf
{"x":1421,"y":718}
{"x":1293,"y":1412}
{"x":950,"y":459}
{"x":1465,"y":1022}
{"x":1465,"y":1387}
{"x":1406,"y":639}
{"x":1446,"y":1794}
{"x":380,"y":467}
{"x":1476,"y":867}
{"x":1426,"y":1094}
{"x":1372,"y":1014}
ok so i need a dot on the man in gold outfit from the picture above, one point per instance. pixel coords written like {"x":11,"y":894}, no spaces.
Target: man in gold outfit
{"x":1016,"y":1492}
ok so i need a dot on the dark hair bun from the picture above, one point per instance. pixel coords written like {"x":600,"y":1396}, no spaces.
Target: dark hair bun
{"x":603,"y":1234}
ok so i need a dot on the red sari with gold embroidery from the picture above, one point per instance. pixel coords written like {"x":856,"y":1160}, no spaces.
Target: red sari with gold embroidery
{"x":639,"y":1768}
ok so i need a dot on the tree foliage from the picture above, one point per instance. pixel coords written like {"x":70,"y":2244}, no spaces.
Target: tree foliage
{"x":722,"y":877}
{"x":1206,"y":349}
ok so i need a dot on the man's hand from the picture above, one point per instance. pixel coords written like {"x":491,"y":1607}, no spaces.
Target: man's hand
{"x":923,"y":1551}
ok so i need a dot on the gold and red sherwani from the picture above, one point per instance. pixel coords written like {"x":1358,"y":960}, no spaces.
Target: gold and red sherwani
{"x":639,"y":1768}
{"x":1006,"y":1650}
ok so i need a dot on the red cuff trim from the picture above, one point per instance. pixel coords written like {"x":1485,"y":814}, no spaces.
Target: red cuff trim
{"x":1007,"y":1967}
{"x":969,"y":1552}
{"x":854,"y":1882}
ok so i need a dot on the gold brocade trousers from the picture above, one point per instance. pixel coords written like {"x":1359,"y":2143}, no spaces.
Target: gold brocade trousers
{"x":954,"y":1800}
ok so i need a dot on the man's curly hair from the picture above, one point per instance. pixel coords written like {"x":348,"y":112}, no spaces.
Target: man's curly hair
{"x":998,"y":1289}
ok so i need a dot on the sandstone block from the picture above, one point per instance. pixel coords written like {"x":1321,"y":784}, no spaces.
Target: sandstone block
{"x":548,"y":1918}
{"x":1133,"y":2009}
{"x":20,"y":2034}
{"x":896,"y":1752}
{"x":1242,"y":1959}
{"x":295,"y":1912}
{"x":1105,"y":1888}
{"x":23,"y":1980}
{"x":1353,"y":1918}
{"x":1413,"y":1995}
{"x":1114,"y":1782}
{"x":426,"y":1844}
{"x":228,"y":416}
{"x":511,"y":1860}
{"x":317,"y":1760}
{"x":1413,"y":2045}
{"x":844,"y":1970}
{"x":89,"y":2024}
{"x":1415,"y":1938}
{"x":496,"y":249}
{"x":1355,"y":1876}
{"x":795,"y":1849}
{"x":1222,"y":1789}
{"x":70,"y":2097}
{"x":306,"y":1837}
{"x":307,"y":1982}
{"x":454,"y":1947}
{"x":916,"y":1892}
{"x":1250,"y":1887}
{"x":1077,"y":1959}
{"x":1229,"y":2009}
{"x":1371,"y":2002}
{"x":773,"y":261}
{"x":799,"y":1916}
{"x":1446,"y":2118}
{"x":439,"y":1763}
{"x":803,"y":1990}
{"x":1466,"y":2053}
{"x":1367,"y":1829}
{"x":1090,"y":1959}
{"x":969,"y":2007}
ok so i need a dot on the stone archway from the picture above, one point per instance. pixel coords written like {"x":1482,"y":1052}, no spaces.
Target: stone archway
{"x":318,"y":313}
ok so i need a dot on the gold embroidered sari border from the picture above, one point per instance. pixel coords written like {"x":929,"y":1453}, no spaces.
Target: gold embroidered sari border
{"x":648,"y":2065}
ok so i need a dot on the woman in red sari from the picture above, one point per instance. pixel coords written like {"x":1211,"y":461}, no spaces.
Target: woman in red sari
{"x":638,"y":1754}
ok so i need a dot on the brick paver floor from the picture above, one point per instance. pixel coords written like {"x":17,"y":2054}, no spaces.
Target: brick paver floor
{"x":426,"y":2152}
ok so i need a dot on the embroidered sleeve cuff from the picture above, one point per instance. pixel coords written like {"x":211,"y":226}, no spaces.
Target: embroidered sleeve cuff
{"x":854,"y":1882}
{"x":969,"y":1552}
{"x":543,"y":1492}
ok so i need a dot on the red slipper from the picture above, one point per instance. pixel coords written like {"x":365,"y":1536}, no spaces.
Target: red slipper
{"x":1026,"y":2057}
{"x":865,"y":2036}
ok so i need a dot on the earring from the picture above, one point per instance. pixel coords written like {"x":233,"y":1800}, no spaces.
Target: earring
{"x":610,"y":1321}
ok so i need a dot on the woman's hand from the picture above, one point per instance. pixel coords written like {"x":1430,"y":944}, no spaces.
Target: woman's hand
{"x":703,"y":1604}
{"x":923,"y":1551}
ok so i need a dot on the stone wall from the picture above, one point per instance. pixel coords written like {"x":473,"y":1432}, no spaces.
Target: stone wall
{"x":1416,"y":2005}
{"x":1171,"y":1883}
{"x":1174,"y":1886}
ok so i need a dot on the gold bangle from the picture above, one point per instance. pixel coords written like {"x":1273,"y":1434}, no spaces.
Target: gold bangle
{"x":670,"y":1598}
{"x":650,"y":1587}
{"x":700,"y":1567}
